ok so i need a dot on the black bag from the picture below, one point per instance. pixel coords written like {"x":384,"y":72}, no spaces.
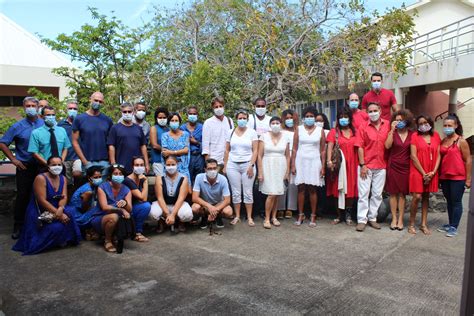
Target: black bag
{"x":336,"y":158}
{"x":125,"y":229}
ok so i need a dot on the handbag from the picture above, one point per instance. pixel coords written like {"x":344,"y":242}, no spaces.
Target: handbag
{"x":336,"y":158}
{"x":125,"y":229}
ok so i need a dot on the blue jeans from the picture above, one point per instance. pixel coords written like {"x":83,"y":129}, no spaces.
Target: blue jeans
{"x":140,"y":213}
{"x":453,"y":191}
{"x":196,"y":166}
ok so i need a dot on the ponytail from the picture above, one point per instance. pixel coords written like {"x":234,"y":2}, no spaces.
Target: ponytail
{"x":455,"y":118}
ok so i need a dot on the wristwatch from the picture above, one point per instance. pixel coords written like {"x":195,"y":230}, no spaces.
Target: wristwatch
{"x":362,"y":164}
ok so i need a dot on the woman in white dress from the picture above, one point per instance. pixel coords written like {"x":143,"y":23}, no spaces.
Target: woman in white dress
{"x":273,"y":168}
{"x":309,"y":146}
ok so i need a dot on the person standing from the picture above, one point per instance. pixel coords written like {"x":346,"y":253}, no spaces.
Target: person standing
{"x":126,"y":140}
{"x":359,"y":117}
{"x":194,"y":128}
{"x":156,"y":132}
{"x":49,"y":140}
{"x":26,"y":165}
{"x":383,"y":97}
{"x":455,"y":171}
{"x":398,"y":167}
{"x":176,"y":143}
{"x":260,"y":121}
{"x":139,"y":119}
{"x":89,"y":134}
{"x":372,"y":164}
{"x":239,"y":165}
{"x":41,"y":105}
{"x":425,"y":160}
{"x":308,"y":164}
{"x":273,"y":169}
{"x":72,"y":163}
{"x":214,"y":133}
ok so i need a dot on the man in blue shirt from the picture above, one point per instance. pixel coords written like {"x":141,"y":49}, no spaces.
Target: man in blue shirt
{"x":72,"y":163}
{"x":26,"y":165}
{"x":89,"y":134}
{"x":194,"y":128}
{"x":126,"y":140}
{"x":160,"y":127}
{"x":211,"y":195}
{"x":48,"y":140}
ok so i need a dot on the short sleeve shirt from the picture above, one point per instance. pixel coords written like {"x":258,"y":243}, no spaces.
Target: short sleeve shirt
{"x":197,"y":134}
{"x":213,"y":194}
{"x":40,"y":141}
{"x":241,"y":146}
{"x":93,"y":132}
{"x":372,"y":140}
{"x":385,"y":98}
{"x":76,"y":199}
{"x":20,"y":133}
{"x":127,"y":141}
{"x":359,"y":118}
{"x":260,"y":126}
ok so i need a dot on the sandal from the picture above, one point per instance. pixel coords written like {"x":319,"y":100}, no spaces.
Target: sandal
{"x":140,"y":238}
{"x":275,"y":222}
{"x":109,"y":246}
{"x":235,"y":221}
{"x":301,"y":218}
{"x":424,"y":229}
{"x":288,"y":214}
{"x":336,"y":221}
{"x":411,"y":230}
{"x":251,"y":222}
{"x":267,"y":225}
{"x":313,"y":224}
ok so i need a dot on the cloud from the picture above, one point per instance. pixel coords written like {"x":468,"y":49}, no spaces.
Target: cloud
{"x":142,"y":8}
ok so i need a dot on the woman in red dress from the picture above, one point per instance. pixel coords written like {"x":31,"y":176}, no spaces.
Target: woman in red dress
{"x":425,"y":160}
{"x":344,"y":135}
{"x":398,"y":167}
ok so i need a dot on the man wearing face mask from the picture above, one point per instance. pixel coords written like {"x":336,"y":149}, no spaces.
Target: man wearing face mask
{"x":72,"y":163}
{"x":194,"y":128}
{"x":89,"y":134}
{"x":359,"y":117}
{"x":126,"y":140}
{"x":260,"y":121}
{"x":49,"y":140}
{"x":370,"y":141}
{"x":41,"y":105}
{"x":26,"y":165}
{"x":383,"y":97}
{"x":139,"y":119}
{"x":214,"y":132}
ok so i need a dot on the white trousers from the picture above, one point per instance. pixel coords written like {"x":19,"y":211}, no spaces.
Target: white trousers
{"x":290,"y":197}
{"x":158,"y":169}
{"x":185,"y":213}
{"x":238,"y":179}
{"x":374,"y":184}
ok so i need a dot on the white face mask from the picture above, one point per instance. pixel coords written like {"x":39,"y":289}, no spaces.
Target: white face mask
{"x":319,"y":124}
{"x":139,"y":170}
{"x":162,"y":122}
{"x":374,"y":116}
{"x":276,"y":128}
{"x":56,"y":170}
{"x":261,"y":111}
{"x":171,"y":169}
{"x":219,"y":111}
{"x":211,"y":174}
{"x":127,"y":117}
{"x":140,"y":115}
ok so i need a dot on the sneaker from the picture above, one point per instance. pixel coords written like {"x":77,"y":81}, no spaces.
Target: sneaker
{"x":374,"y":224}
{"x":219,"y":222}
{"x":444,"y":228}
{"x":452,"y":231}
{"x":203,"y":224}
{"x":360,"y":227}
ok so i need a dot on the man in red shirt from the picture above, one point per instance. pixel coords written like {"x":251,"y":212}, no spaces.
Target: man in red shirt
{"x":371,"y":149}
{"x":359,"y":117}
{"x":385,"y":98}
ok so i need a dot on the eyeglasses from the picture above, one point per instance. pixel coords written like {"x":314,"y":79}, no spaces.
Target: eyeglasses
{"x":117,"y":165}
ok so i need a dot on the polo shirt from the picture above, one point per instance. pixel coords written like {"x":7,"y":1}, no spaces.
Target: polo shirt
{"x":93,"y":132}
{"x":20,"y":133}
{"x":40,"y":141}
{"x":213,"y":194}
{"x":71,"y":154}
{"x":385,"y":98}
{"x":372,"y":140}
{"x":197,"y":134}
{"x":359,"y":118}
{"x":127,"y":141}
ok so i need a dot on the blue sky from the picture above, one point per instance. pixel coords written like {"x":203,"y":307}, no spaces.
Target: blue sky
{"x":52,"y":17}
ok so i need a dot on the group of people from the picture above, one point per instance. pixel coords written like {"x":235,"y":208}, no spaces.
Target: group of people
{"x":78,"y":177}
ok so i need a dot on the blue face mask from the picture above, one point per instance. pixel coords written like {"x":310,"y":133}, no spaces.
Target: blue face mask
{"x":401,"y":124}
{"x":72,"y":113}
{"x":242,"y":122}
{"x":50,"y":120}
{"x":353,"y":105}
{"x":192,"y":118}
{"x":309,"y":121}
{"x":31,"y":112}
{"x":117,"y":179}
{"x":289,"y":123}
{"x":448,"y":131}
{"x":97,"y":182}
{"x":174,"y":125}
{"x":95,"y":106}
{"x":344,"y":121}
{"x":376,"y":84}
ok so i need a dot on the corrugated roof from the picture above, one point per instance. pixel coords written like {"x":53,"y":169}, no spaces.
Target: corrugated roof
{"x":21,"y":48}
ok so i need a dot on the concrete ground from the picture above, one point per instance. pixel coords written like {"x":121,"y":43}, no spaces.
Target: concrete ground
{"x":288,"y":270}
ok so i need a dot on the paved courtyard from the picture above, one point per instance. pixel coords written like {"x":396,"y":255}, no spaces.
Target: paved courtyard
{"x":288,"y":270}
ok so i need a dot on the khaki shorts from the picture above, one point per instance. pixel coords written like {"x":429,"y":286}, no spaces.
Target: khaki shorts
{"x":72,"y":167}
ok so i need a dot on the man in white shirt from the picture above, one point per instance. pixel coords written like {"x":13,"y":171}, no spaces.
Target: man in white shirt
{"x":214,"y":132}
{"x":259,"y":121}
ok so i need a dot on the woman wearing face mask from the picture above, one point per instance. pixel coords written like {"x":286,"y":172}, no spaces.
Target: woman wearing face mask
{"x":156,"y":132}
{"x":115,"y":199}
{"x":322,"y":121}
{"x":273,"y":168}
{"x":287,"y":203}
{"x":176,"y":143}
{"x":425,"y":160}
{"x":137,"y":182}
{"x":455,"y":173}
{"x":344,"y":135}
{"x":47,"y":223}
{"x":239,"y":165}
{"x":171,"y":191}
{"x":398,"y":167}
{"x":307,"y":162}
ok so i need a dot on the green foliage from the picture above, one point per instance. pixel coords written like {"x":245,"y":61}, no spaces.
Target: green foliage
{"x":5,"y":122}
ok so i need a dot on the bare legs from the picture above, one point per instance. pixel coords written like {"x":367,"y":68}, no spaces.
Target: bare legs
{"x":109,"y":222}
{"x":271,"y":210}
{"x":397,"y":202}
{"x":313,"y":199}
{"x":424,"y":197}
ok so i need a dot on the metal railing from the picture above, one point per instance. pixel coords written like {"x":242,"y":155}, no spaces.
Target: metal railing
{"x":459,"y":105}
{"x":449,"y":41}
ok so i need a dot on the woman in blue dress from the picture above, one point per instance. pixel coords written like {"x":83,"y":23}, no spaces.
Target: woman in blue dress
{"x":115,"y":200}
{"x":47,"y":223}
{"x":176,"y":143}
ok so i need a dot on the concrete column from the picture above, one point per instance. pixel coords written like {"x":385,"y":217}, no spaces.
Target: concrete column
{"x":400,"y":96}
{"x":453,"y":100}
